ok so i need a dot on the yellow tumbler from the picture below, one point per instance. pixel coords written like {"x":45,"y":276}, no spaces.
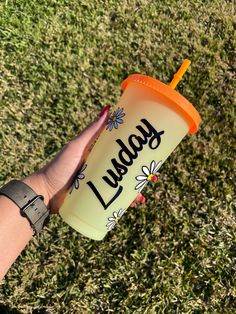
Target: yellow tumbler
{"x":148,"y":122}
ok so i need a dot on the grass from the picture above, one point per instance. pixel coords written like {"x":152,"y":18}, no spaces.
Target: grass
{"x":60,"y":62}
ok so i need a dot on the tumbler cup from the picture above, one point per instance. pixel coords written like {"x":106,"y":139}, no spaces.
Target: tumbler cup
{"x":146,"y":125}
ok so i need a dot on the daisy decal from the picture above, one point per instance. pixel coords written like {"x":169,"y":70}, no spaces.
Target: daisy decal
{"x":79,"y":176}
{"x":112,"y":221}
{"x":115,"y":119}
{"x":150,"y":174}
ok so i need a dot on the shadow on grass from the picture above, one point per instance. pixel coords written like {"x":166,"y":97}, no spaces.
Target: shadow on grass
{"x":5,"y":309}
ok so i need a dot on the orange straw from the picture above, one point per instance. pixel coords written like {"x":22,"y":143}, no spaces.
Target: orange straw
{"x":179,"y":74}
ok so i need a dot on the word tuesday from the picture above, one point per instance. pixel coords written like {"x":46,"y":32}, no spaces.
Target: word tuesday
{"x":126,"y":157}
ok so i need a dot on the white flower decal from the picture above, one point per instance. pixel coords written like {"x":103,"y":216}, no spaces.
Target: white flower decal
{"x":115,"y":119}
{"x":149,"y":175}
{"x":79,"y":176}
{"x":112,"y":221}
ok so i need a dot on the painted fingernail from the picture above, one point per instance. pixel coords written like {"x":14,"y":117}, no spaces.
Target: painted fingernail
{"x":132,"y":205}
{"x":143,"y":199}
{"x":104,"y":110}
{"x":139,"y":197}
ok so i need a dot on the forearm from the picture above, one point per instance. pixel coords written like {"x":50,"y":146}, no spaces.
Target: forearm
{"x":15,"y":230}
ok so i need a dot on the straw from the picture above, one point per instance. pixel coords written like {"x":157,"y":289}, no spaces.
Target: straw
{"x":179,"y":74}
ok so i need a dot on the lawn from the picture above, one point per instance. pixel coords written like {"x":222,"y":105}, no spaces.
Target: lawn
{"x":61,"y":61}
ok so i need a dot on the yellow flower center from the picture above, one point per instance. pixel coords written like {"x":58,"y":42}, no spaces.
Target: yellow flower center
{"x":150,"y":177}
{"x":116,"y":219}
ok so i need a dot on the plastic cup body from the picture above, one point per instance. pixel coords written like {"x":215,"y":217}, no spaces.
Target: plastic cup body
{"x":142,"y":132}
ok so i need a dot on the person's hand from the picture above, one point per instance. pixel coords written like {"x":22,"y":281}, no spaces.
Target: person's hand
{"x":54,"y":180}
{"x":139,"y":199}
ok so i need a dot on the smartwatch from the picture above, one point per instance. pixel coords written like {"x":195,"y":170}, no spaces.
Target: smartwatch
{"x":31,"y":205}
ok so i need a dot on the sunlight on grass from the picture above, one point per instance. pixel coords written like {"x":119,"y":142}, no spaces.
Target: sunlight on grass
{"x":60,"y":63}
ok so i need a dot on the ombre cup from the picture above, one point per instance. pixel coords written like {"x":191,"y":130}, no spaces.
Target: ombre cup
{"x":146,"y":125}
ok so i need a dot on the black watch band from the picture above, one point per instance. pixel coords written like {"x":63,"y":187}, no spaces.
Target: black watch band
{"x":31,"y":205}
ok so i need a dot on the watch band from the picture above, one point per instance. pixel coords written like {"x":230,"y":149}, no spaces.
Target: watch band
{"x":31,"y":205}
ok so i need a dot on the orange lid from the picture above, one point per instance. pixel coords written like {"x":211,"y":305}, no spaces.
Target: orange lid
{"x":174,"y":99}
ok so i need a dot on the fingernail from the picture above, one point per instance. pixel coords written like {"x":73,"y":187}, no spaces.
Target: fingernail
{"x":143,"y":199}
{"x":139,"y":197}
{"x":104,"y":110}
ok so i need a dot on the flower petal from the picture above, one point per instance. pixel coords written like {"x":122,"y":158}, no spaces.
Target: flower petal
{"x":83,"y":168}
{"x":110,"y":125}
{"x":76,"y":183}
{"x":123,"y":211}
{"x":115,"y":214}
{"x":120,"y":211}
{"x":141,"y":177}
{"x":121,"y":115}
{"x":145,"y":170}
{"x":118,"y":111}
{"x":115,"y":125}
{"x":111,"y":218}
{"x":71,"y":188}
{"x":142,"y":187}
{"x":120,"y":121}
{"x":158,"y":166}
{"x":152,"y":166}
{"x":81,"y":176}
{"x":111,"y":225}
{"x":140,"y":184}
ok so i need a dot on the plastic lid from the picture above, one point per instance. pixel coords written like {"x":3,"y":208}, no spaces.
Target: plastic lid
{"x":176,"y":100}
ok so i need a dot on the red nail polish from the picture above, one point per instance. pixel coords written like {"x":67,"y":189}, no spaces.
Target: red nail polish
{"x":143,"y":199}
{"x":139,"y":197}
{"x":105,"y":109}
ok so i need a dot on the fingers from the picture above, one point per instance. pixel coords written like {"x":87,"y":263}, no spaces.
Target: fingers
{"x":139,"y":199}
{"x":76,"y":151}
{"x":70,"y":158}
{"x":88,"y":136}
{"x":59,"y":173}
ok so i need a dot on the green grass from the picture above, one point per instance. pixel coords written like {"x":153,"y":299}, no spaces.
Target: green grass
{"x":60,"y":63}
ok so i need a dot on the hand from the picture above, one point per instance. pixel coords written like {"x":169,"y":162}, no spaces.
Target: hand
{"x":139,"y":199}
{"x":54,"y":180}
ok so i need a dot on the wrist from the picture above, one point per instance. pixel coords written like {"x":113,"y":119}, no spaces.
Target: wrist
{"x":36,"y":182}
